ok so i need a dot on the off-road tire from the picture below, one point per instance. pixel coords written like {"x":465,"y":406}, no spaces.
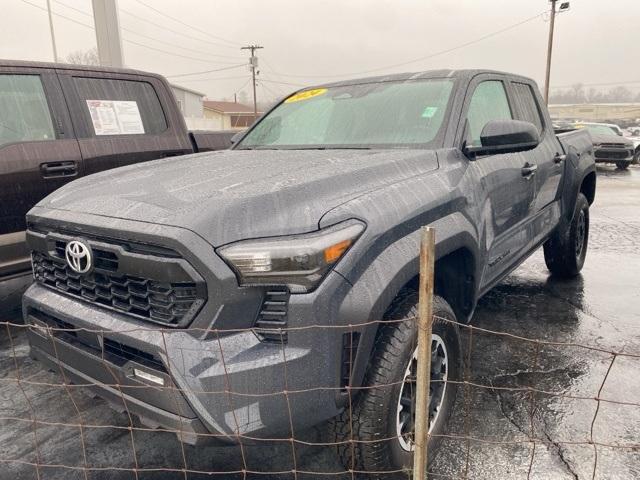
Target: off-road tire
{"x":372,"y":415}
{"x":562,"y":254}
{"x":622,"y":165}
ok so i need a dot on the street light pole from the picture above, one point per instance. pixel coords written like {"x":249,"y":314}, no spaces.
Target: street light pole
{"x":549,"y":49}
{"x":53,"y":36}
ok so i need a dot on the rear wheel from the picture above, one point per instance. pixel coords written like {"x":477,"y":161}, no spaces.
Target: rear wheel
{"x":566,"y":250}
{"x":382,"y":417}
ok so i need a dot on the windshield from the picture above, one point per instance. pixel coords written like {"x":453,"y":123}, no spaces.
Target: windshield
{"x":602,"y":129}
{"x":375,"y":115}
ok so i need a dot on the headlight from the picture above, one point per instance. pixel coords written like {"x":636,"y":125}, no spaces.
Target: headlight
{"x":298,"y":261}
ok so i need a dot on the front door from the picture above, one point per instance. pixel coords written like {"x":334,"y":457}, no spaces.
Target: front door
{"x":505,"y":192}
{"x":38,"y":154}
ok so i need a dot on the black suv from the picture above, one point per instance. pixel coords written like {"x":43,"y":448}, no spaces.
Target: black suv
{"x":208,"y":274}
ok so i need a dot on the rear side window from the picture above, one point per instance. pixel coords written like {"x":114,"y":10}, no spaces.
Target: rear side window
{"x":120,"y":107}
{"x":489,"y":102}
{"x":24,"y":112}
{"x":527,"y":105}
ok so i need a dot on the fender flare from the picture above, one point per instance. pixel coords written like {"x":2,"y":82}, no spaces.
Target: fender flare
{"x":374,"y":290}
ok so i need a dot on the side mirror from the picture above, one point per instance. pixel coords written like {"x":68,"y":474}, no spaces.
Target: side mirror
{"x":506,"y":136}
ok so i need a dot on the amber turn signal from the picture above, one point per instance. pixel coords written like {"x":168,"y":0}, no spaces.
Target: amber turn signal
{"x":334,"y":252}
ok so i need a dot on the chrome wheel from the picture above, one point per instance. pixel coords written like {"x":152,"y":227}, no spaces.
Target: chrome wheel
{"x":581,"y":229}
{"x":405,"y":414}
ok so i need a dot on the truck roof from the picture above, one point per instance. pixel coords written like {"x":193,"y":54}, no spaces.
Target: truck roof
{"x":71,"y":66}
{"x":443,"y":73}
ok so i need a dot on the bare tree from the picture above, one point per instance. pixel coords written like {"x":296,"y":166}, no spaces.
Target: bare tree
{"x":620,"y":94}
{"x":84,"y":57}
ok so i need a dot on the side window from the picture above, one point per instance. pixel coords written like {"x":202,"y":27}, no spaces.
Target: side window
{"x":120,"y":107}
{"x":526,"y":105}
{"x":489,"y":102}
{"x":24,"y":112}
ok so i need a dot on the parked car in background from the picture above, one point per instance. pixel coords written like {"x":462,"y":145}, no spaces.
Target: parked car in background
{"x":633,"y":134}
{"x":59,"y":122}
{"x":312,"y":219}
{"x":609,"y":145}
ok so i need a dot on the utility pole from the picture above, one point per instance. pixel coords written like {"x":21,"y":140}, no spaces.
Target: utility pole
{"x":53,"y":35}
{"x":108,"y":38}
{"x":549,"y":49}
{"x":253,"y":64}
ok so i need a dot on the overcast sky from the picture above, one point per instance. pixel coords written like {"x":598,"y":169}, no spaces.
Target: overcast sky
{"x":307,"y":42}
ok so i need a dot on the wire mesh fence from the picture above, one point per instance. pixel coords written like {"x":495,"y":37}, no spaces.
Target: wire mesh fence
{"x":28,"y":420}
{"x":52,"y":428}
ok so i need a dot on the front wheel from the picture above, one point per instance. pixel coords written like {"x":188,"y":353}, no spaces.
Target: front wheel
{"x":622,"y":165}
{"x":382,"y":418}
{"x":566,"y":250}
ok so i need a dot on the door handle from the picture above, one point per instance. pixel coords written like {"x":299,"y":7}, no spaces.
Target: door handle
{"x":529,"y":170}
{"x":59,"y":169}
{"x":559,"y":158}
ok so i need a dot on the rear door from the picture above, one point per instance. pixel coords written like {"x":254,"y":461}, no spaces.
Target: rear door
{"x":547,"y":154}
{"x":38,"y":153}
{"x":122,"y":119}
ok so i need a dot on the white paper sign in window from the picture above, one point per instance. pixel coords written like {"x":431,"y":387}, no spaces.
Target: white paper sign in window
{"x":115,"y":117}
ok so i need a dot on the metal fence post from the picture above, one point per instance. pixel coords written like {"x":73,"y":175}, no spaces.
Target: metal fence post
{"x":425,"y":320}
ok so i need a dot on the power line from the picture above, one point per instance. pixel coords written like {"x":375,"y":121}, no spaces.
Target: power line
{"x":234,"y":44}
{"x":242,"y":87}
{"x":177,"y":32}
{"x":204,"y":60}
{"x":283,"y":83}
{"x":87,"y":14}
{"x":276,"y":95}
{"x":132,"y":42}
{"x":426,"y":57}
{"x":206,"y":71}
{"x":211,"y":79}
{"x":58,"y":14}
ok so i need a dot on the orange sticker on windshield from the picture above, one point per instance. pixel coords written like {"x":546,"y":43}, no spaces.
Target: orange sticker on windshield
{"x":307,"y":94}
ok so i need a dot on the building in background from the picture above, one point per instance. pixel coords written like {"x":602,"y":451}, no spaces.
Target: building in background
{"x":621,"y":113}
{"x":229,"y":115}
{"x":189,"y":101}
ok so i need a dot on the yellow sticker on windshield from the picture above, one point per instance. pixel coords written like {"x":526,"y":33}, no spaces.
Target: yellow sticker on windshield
{"x":307,"y":94}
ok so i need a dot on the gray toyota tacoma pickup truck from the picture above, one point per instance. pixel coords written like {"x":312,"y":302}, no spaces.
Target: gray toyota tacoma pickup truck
{"x":311,"y":219}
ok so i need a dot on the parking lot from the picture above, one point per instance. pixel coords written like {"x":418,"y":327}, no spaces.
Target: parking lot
{"x":599,"y":309}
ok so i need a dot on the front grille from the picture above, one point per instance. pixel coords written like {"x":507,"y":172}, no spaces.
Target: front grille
{"x":103,"y":259}
{"x":272,"y":320}
{"x":612,"y":145}
{"x":615,"y":154}
{"x":170,"y":304}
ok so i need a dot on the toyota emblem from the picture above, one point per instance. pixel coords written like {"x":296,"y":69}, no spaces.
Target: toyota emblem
{"x":78,"y":255}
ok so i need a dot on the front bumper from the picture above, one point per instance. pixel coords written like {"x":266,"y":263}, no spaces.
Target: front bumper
{"x":230,"y":388}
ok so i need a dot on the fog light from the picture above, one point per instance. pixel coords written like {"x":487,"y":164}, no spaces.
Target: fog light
{"x":148,"y":376}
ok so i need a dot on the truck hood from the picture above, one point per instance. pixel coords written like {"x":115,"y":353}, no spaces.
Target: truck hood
{"x":603,"y":138}
{"x":237,"y":194}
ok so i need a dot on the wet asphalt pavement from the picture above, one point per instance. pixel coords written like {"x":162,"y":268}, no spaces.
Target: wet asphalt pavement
{"x":601,"y":308}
